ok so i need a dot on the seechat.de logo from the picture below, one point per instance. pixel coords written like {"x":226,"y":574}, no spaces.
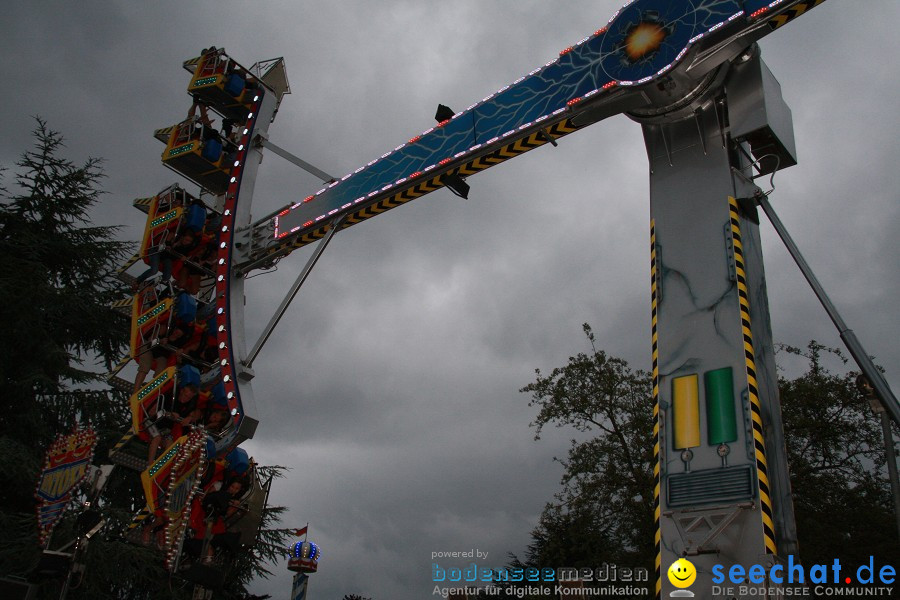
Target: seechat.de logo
{"x":682,"y":574}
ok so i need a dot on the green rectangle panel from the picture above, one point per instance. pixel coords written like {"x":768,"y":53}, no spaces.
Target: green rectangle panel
{"x":721,"y":422}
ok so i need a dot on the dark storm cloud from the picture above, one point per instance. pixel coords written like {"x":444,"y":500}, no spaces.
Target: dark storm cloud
{"x":390,"y":388}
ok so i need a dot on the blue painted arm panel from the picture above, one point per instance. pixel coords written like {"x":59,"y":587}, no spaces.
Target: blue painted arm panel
{"x":594,"y":65}
{"x":521,"y":104}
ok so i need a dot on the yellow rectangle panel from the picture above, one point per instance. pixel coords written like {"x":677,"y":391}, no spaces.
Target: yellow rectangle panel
{"x":686,"y":411}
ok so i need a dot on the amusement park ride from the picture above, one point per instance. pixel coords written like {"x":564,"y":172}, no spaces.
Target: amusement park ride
{"x":713,"y":120}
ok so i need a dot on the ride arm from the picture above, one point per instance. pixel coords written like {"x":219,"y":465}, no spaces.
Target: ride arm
{"x":586,"y":83}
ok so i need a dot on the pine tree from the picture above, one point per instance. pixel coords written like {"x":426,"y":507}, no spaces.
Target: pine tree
{"x":59,"y":337}
{"x":58,"y":333}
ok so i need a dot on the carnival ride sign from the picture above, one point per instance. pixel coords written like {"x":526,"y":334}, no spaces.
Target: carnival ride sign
{"x":65,"y":466}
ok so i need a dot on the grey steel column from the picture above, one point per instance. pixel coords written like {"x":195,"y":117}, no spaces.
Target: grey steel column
{"x":724,"y":498}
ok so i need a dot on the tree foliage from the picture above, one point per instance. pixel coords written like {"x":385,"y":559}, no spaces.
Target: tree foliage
{"x":59,"y":336}
{"x":842,"y":496}
{"x":55,"y":288}
{"x":604,"y":511}
{"x":55,"y":271}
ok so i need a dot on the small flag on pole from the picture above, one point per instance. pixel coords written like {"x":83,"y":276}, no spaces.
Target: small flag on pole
{"x":302,"y":530}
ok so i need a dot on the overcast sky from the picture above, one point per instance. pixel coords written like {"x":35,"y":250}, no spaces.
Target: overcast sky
{"x":390,"y":388}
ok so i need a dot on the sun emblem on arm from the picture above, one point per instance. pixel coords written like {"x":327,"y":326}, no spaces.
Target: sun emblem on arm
{"x":644,"y":38}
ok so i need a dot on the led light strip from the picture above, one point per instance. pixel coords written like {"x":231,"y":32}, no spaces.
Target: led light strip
{"x":166,"y":217}
{"x":153,"y":385}
{"x":163,"y":460}
{"x":181,"y":149}
{"x":764,"y":9}
{"x":223,"y":275}
{"x":162,"y":307}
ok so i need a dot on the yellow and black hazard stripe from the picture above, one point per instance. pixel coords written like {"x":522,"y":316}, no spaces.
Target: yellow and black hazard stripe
{"x":121,"y":443}
{"x":475,"y":165}
{"x":793,"y":12}
{"x":416,"y":191}
{"x":123,"y":306}
{"x":121,"y":365}
{"x":191,"y":63}
{"x":163,"y":134}
{"x":143,"y":204}
{"x":127,"y":265}
{"x":654,"y":336}
{"x":129,"y":452}
{"x":759,"y":442}
{"x":123,"y":303}
{"x":140,"y":517}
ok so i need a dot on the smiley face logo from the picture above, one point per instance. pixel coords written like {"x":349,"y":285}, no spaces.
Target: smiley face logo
{"x":682,"y":573}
